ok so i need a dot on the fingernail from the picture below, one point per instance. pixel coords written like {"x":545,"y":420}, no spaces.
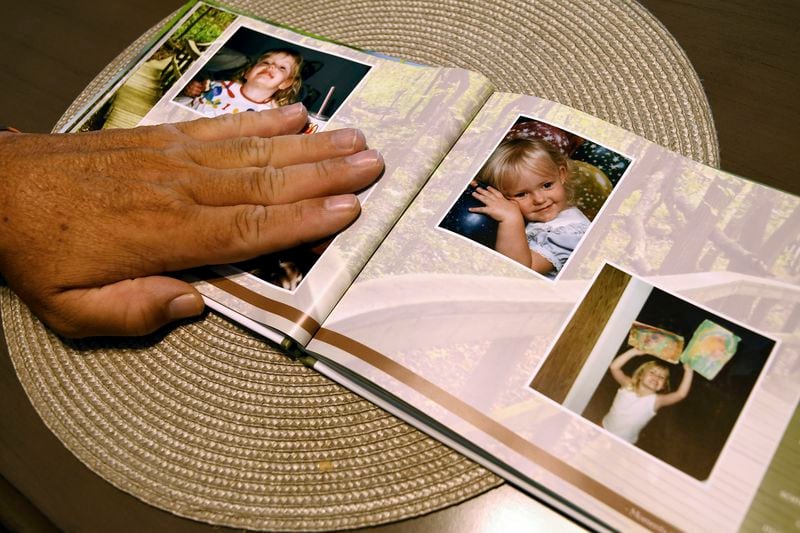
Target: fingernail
{"x":365,"y":157}
{"x":292,"y":110}
{"x":343,"y":202}
{"x":184,"y":306}
{"x":346,"y":139}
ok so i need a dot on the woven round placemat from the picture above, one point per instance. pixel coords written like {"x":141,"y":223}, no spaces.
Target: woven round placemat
{"x":210,"y":422}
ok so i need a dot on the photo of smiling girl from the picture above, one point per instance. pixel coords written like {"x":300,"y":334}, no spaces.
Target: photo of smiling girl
{"x":273,"y":80}
{"x":535,"y":195}
{"x":641,"y":395}
{"x":255,"y":71}
{"x":529,"y":193}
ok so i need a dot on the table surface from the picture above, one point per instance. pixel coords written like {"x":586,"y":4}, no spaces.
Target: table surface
{"x":746,"y":54}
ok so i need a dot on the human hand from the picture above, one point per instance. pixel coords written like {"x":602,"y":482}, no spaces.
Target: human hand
{"x":496,"y":205}
{"x":194,"y":88}
{"x":626,"y":356}
{"x":88,"y":221}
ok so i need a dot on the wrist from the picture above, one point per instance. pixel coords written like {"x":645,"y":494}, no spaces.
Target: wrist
{"x":512,"y":219}
{"x":5,"y":193}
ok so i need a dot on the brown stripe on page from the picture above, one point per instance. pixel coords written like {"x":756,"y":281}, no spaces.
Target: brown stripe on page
{"x":281,"y":309}
{"x":495,"y":429}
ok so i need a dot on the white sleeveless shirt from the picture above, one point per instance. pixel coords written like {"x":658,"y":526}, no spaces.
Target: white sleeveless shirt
{"x":629,"y":414}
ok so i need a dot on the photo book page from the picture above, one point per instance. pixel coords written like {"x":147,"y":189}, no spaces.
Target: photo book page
{"x":213,"y":62}
{"x":614,"y":323}
{"x":604,"y":322}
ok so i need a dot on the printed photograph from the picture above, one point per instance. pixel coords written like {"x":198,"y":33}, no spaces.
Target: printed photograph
{"x":254,"y":71}
{"x":536,"y":195}
{"x":654,"y":370}
{"x":285,"y":269}
{"x":155,"y":76}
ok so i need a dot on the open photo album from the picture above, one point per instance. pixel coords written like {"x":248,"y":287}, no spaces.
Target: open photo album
{"x":610,"y":326}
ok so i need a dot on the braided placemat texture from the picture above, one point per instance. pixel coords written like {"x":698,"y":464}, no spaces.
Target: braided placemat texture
{"x":211,"y":423}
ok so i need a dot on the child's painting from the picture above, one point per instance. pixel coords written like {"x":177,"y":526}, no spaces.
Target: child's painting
{"x":536,"y":195}
{"x":664,"y":344}
{"x":620,"y":363}
{"x":710,"y":348}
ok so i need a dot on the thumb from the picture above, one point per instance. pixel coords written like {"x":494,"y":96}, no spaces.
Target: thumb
{"x":129,"y":307}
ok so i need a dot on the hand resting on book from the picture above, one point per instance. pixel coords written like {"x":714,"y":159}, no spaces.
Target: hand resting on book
{"x":88,"y":221}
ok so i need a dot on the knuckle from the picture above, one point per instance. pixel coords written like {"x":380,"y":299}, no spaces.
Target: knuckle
{"x":302,"y":219}
{"x":326,"y":169}
{"x":298,"y":214}
{"x":225,"y":121}
{"x":249,"y":224}
{"x":244,"y":147}
{"x":269,"y":183}
{"x":139,"y":321}
{"x":255,"y":148}
{"x":307,"y":143}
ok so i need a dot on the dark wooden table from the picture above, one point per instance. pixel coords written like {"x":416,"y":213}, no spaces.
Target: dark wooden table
{"x":746,"y":54}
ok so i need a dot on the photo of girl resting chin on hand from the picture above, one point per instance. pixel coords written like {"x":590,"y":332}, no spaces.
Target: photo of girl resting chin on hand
{"x":641,"y":395}
{"x":529,"y":193}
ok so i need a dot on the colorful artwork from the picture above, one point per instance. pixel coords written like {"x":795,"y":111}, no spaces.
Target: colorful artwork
{"x":709,"y":349}
{"x":663,"y":344}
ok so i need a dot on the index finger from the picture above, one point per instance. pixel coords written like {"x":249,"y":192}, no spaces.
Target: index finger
{"x":281,"y":121}
{"x":277,"y":152}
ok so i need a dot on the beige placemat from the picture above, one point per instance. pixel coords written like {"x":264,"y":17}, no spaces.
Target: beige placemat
{"x":210,"y":422}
